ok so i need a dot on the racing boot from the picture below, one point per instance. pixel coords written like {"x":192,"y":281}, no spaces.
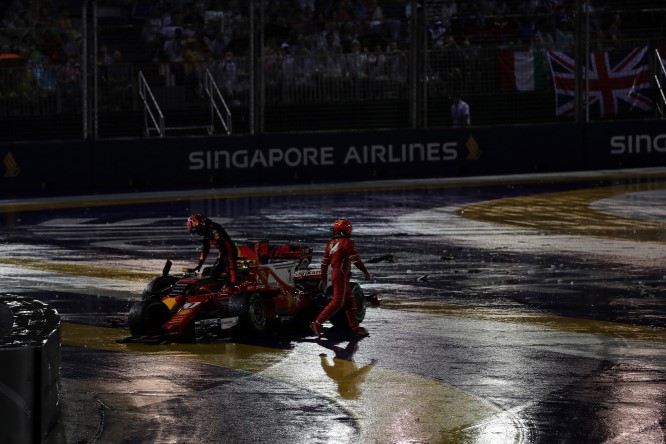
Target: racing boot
{"x":317,"y":329}
{"x":360,"y":331}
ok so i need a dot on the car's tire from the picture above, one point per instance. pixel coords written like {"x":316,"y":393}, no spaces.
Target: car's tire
{"x":146,"y":317}
{"x":340,"y":318}
{"x":251,"y":311}
{"x":159,"y":286}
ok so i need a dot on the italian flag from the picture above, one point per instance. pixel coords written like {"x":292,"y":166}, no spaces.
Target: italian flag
{"x":521,"y":70}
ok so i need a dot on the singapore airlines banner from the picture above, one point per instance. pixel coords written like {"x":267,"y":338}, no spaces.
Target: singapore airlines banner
{"x":244,"y":160}
{"x":333,"y":157}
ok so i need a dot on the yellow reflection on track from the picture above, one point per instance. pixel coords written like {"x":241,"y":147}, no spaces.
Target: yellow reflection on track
{"x":390,"y":406}
{"x":570,"y":213}
{"x":77,"y":269}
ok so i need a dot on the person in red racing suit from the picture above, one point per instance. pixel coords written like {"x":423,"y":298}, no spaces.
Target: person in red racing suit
{"x":339,"y":254}
{"x":214,"y":235}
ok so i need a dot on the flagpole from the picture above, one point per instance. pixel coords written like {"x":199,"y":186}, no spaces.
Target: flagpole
{"x":581,"y":111}
{"x":587,"y":60}
{"x":577,"y":61}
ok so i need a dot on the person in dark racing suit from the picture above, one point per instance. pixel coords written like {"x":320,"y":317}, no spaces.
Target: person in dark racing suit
{"x":214,"y":235}
{"x":339,"y":254}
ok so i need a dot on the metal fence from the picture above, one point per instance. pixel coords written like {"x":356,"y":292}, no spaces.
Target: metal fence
{"x":72,"y":72}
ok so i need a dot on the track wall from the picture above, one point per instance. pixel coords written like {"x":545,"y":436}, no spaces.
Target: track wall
{"x":274,"y":159}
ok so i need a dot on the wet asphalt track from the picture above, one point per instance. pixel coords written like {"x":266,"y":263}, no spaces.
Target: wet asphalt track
{"x":525,"y":309}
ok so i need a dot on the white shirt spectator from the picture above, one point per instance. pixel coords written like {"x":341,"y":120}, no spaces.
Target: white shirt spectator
{"x":460,"y":117}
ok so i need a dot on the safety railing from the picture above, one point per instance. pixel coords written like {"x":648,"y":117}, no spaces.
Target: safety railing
{"x":217,"y":101}
{"x":153,"y":116}
{"x":660,"y":82}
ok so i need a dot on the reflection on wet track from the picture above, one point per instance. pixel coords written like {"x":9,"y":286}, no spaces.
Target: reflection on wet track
{"x":515,"y":310}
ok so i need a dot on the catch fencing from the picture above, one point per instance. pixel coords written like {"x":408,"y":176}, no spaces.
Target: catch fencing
{"x":74,"y":74}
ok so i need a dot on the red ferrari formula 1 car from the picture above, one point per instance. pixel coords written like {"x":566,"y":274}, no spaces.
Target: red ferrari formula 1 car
{"x":275,"y":287}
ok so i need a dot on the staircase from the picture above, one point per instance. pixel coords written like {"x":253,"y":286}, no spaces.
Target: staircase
{"x":155,"y":123}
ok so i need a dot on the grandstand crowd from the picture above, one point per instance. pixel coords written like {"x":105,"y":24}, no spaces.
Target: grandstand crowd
{"x":304,"y":42}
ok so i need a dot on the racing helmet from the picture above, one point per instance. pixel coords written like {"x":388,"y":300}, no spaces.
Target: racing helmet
{"x":196,"y":224}
{"x":342,"y":227}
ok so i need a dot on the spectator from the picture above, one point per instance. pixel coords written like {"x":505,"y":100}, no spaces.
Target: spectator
{"x":487,"y":9}
{"x":271,"y":62}
{"x":357,"y":62}
{"x":227,"y":76}
{"x":460,"y":115}
{"x":173,"y":47}
{"x":50,"y":44}
{"x":377,"y":64}
{"x":437,"y":32}
{"x":194,"y":55}
{"x":103,"y":56}
{"x":119,"y":82}
{"x":331,"y":44}
{"x":11,"y":21}
{"x":470,"y":58}
{"x":71,"y":45}
{"x":43,"y":75}
{"x":564,"y":37}
{"x":375,"y":15}
{"x":291,"y":73}
{"x":445,"y":58}
{"x":357,"y":69}
{"x":449,"y":13}
{"x":614,"y":33}
{"x":69,"y":81}
{"x":396,"y":61}
{"x":349,"y":31}
{"x":172,"y":51}
{"x":218,"y":46}
{"x":303,"y":69}
{"x":304,"y":4}
{"x":63,"y":21}
{"x":544,"y":38}
{"x":327,"y":74}
{"x":599,"y":43}
{"x":343,"y":13}
{"x":151,"y":32}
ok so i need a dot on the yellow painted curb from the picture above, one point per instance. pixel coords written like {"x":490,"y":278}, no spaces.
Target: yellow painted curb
{"x":570,"y":213}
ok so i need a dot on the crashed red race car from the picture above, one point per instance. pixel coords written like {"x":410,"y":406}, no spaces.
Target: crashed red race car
{"x":275,"y":287}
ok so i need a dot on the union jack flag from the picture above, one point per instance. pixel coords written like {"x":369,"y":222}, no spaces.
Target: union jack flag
{"x":618,"y":82}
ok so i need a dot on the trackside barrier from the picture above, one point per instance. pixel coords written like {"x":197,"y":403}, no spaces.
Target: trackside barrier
{"x":29,"y":372}
{"x":304,"y":158}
